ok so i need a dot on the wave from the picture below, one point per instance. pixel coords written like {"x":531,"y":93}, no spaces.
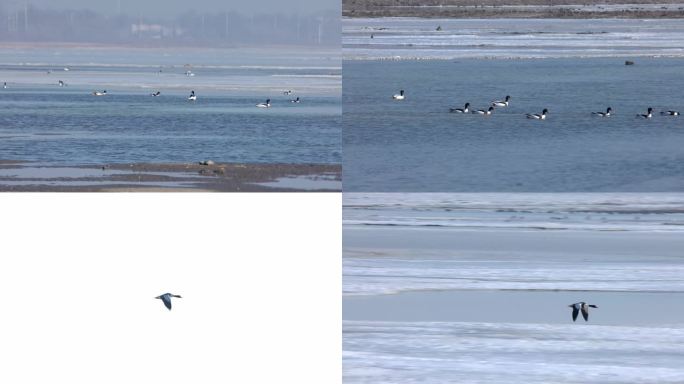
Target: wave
{"x":573,"y":211}
{"x":364,"y":277}
{"x":410,"y":38}
{"x":440,"y":352}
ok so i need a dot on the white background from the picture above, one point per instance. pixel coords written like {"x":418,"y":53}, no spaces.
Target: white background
{"x":260,"y":276}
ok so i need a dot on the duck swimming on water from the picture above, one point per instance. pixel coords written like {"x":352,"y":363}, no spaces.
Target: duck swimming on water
{"x":166,"y":299}
{"x":538,"y":116}
{"x":501,"y":103}
{"x":648,"y":115}
{"x":603,"y":114}
{"x":460,"y":110}
{"x":669,"y":113}
{"x":485,"y":112}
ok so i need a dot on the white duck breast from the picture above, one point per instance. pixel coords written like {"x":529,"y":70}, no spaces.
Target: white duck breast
{"x":400,"y":96}
{"x":192,"y":96}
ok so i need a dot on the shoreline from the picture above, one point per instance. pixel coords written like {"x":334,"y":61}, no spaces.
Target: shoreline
{"x":502,"y":9}
{"x":416,"y":38}
{"x":19,"y":176}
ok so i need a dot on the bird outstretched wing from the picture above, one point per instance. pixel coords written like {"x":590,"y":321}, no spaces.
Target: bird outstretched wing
{"x":167,"y":301}
{"x":575,"y":311}
{"x":585,"y":313}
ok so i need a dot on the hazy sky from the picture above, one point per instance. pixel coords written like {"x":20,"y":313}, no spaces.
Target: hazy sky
{"x":260,"y":279}
{"x":166,"y":8}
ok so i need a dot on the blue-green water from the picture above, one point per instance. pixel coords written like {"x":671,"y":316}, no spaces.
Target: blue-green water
{"x":73,"y":127}
{"x":417,"y":145}
{"x":43,"y":122}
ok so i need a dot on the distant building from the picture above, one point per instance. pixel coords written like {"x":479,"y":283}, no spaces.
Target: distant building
{"x":154,"y":31}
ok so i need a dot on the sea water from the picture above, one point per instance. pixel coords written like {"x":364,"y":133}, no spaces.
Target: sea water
{"x":46,"y":123}
{"x":474,"y":288}
{"x":416,"y":145}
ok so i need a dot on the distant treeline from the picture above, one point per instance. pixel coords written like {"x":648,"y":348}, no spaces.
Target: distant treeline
{"x":32,"y":24}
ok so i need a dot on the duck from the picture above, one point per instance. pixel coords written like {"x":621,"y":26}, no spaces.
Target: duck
{"x":4,"y":85}
{"x":670,"y":113}
{"x":267,"y":104}
{"x":648,"y":115}
{"x":166,"y":299}
{"x":603,"y":114}
{"x":295,"y":100}
{"x":400,"y":96}
{"x":581,"y":306}
{"x":155,"y":94}
{"x":61,"y":83}
{"x":484,"y":112}
{"x":287,"y":93}
{"x":501,"y":103}
{"x":460,"y":110}
{"x":192,"y":96}
{"x":98,"y":93}
{"x":537,"y":116}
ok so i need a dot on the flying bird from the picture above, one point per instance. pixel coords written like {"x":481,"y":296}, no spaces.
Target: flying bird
{"x":166,"y":298}
{"x":581,"y":306}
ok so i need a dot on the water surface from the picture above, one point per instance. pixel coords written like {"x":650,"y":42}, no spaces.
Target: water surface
{"x":416,"y":145}
{"x":45,"y":123}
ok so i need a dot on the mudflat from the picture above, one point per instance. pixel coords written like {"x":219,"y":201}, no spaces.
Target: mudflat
{"x":218,"y":177}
